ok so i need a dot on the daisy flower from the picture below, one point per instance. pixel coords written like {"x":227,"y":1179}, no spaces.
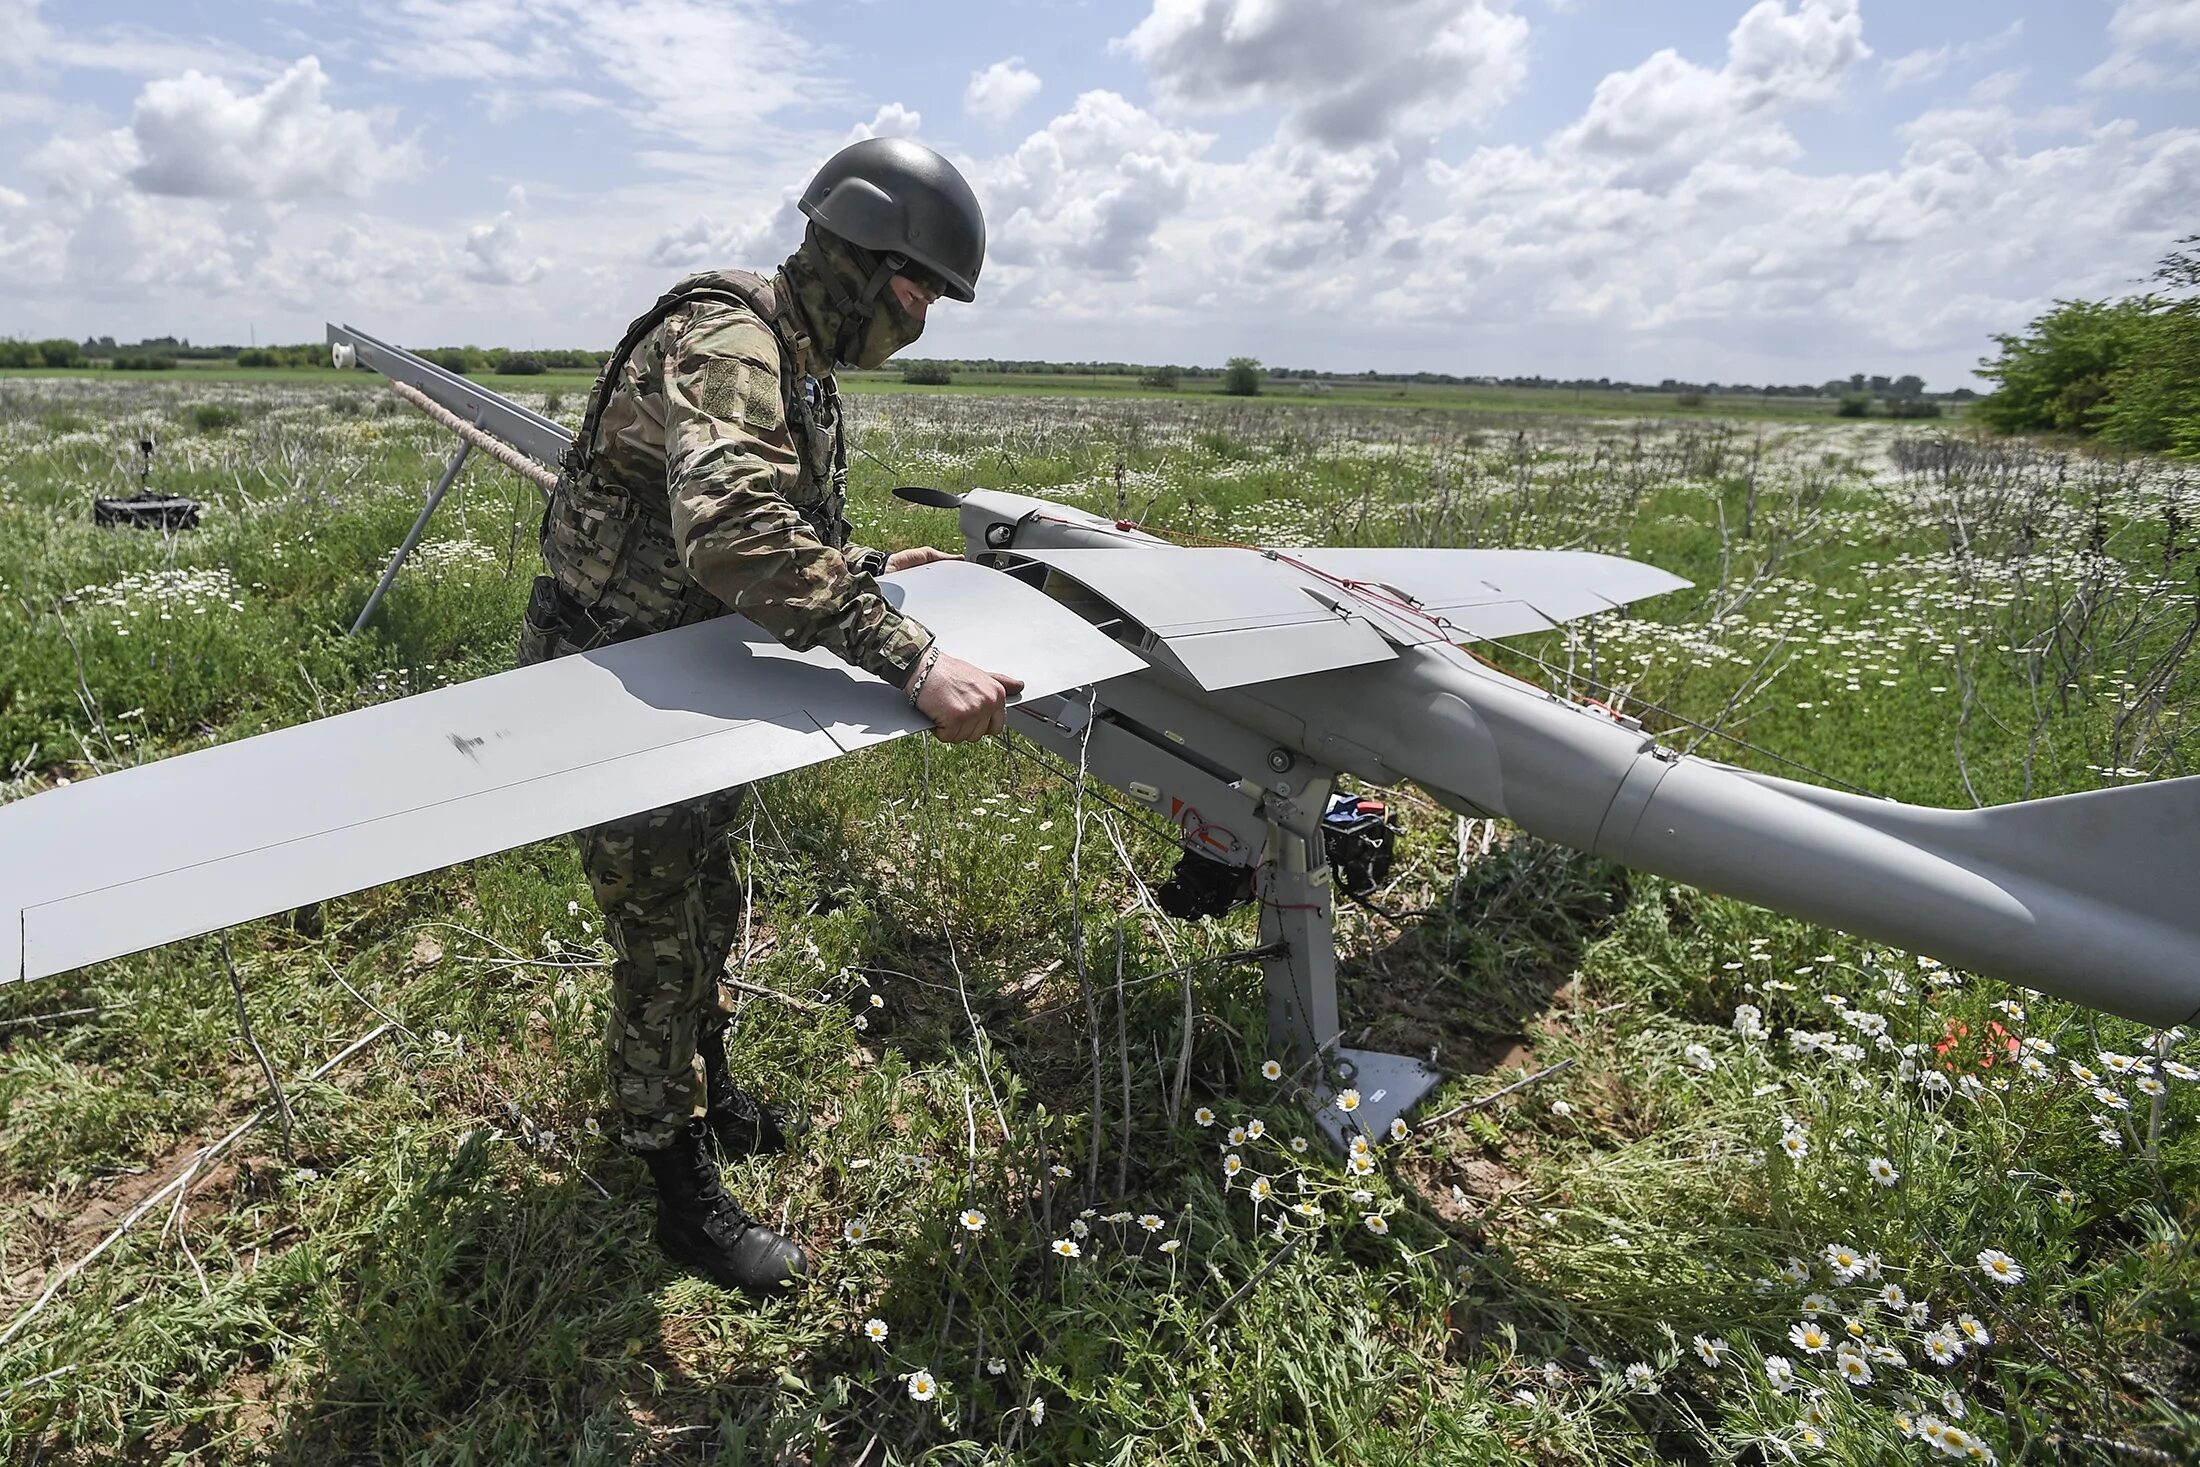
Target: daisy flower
{"x":1795,"y":1144}
{"x":1232,"y":1164}
{"x":1348,"y":1101}
{"x":1940,"y":1348}
{"x":1377,"y":1224}
{"x":1398,"y":1128}
{"x":1815,"y":1305}
{"x":1847,"y":1264}
{"x":2148,"y":1085}
{"x":1808,"y":1337}
{"x":855,"y":1230}
{"x":1883,"y":1171}
{"x":973,"y":1219}
{"x":922,"y":1387}
{"x":1237,"y":1135}
{"x":1780,"y":1373}
{"x":1712,"y":1350}
{"x":1262,"y":1189}
{"x":1067,"y":1248}
{"x":1038,"y":1410}
{"x":1854,"y":1368}
{"x":1255,"y":1129}
{"x":1150,"y":1222}
{"x":1970,"y":1328}
{"x":2000,"y":1267}
{"x":1361,"y":1164}
{"x":1298,"y":1145}
{"x":996,"y":1366}
{"x":1170,"y":1245}
{"x":2181,"y":1070}
{"x":1698,"y":1057}
{"x":1204,"y":1116}
{"x":876,"y":1329}
{"x":1271,"y":1069}
{"x":1059,"y":1171}
{"x":1641,"y":1379}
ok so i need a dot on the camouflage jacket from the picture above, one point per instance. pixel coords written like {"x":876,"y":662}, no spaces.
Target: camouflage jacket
{"x":713,"y":479}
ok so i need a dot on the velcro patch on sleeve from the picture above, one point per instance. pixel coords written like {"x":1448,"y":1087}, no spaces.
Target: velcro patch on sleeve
{"x":742,"y":392}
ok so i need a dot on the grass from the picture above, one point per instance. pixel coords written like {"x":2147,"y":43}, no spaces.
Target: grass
{"x":447,"y":1263}
{"x":1348,"y":392}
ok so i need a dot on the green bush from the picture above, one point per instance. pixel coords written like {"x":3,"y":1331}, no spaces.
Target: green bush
{"x":145,"y":363}
{"x":212,"y":417}
{"x":1912,"y":407}
{"x":2055,"y":376}
{"x":521,"y":365}
{"x":1164,"y":378}
{"x":1241,"y":377}
{"x":1853,"y":405}
{"x":927,"y":374}
{"x":1690,"y":400}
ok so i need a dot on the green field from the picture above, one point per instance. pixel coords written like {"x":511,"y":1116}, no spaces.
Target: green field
{"x":1766,"y":1127}
{"x":1339,"y":392}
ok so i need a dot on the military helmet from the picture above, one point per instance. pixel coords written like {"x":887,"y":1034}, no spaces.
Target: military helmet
{"x":902,"y":200}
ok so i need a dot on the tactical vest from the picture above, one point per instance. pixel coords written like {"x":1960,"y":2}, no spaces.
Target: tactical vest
{"x":609,"y":546}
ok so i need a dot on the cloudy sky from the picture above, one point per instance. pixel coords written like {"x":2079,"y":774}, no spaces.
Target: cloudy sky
{"x":1791,"y":189}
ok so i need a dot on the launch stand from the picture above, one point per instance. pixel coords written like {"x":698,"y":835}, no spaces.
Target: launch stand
{"x":1261,"y":835}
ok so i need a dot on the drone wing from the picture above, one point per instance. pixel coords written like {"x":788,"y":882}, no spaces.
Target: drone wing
{"x":1229,"y":617}
{"x":197,"y":842}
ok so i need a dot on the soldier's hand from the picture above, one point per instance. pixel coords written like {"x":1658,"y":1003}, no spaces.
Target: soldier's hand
{"x":965,"y":702}
{"x":902,"y":560}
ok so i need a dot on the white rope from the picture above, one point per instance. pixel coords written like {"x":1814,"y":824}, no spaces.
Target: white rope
{"x":504,"y":453}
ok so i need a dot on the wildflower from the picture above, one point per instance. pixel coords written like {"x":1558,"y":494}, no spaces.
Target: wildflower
{"x":1038,"y":1410}
{"x":2118,"y":1064}
{"x":1361,"y":1164}
{"x":1309,"y":1209}
{"x":2181,"y":1070}
{"x":1807,"y":1435}
{"x":1847,"y":1264}
{"x":1204,"y":1116}
{"x":1712,"y":1351}
{"x":1883,"y":1171}
{"x":1815,"y":1305}
{"x":1808,"y":1337}
{"x":1749,"y":1021}
{"x":1891,"y":1295}
{"x":1795,"y":1144}
{"x":1232,"y":1164}
{"x":1780,"y":1373}
{"x":1237,"y":1135}
{"x":2110,"y":1098}
{"x":876,"y":1329}
{"x":1079,"y":1228}
{"x":1554,"y":1374}
{"x":1058,"y":1171}
{"x":2066,"y":1197}
{"x":856,"y":1230}
{"x":2148,"y":1085}
{"x":1150,"y":1222}
{"x":1398,"y":1128}
{"x":1699,"y":1057}
{"x":2000,"y":1267}
{"x":1854,"y":1368}
{"x":1889,"y":1355}
{"x":1298,"y":1145}
{"x":1795,"y":1271}
{"x":1919,"y":1312}
{"x":995,"y":1365}
{"x":973,"y":1219}
{"x":1955,"y":1441}
{"x":1561,"y":1109}
{"x":2085,"y":1074}
{"x":1271,"y":1069}
{"x":572,"y":909}
{"x":1974,"y":1331}
{"x":1641,"y":1379}
{"x":1262,"y":1189}
{"x":1255,"y":1129}
{"x":1905,"y":1423}
{"x":2110,"y":1137}
{"x":1348,"y":1100}
{"x":922,"y":1387}
{"x":1941,"y":1348}
{"x":1951,"y":1401}
{"x":1067,"y":1248}
{"x":1170,"y":1245}
{"x":1377,"y":1224}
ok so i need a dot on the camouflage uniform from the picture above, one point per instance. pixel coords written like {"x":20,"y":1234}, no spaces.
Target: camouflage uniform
{"x":713,"y":480}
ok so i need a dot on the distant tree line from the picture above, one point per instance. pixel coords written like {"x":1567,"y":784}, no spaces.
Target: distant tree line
{"x":2126,"y":371}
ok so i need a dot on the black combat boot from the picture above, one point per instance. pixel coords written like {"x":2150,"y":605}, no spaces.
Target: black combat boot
{"x":741,"y":1124}
{"x":700,"y":1226}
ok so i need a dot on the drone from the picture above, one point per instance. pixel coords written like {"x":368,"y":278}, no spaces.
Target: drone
{"x":1225,"y":690}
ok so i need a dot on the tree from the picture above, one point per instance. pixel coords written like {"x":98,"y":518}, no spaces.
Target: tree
{"x":927,"y":374}
{"x":1909,"y":385}
{"x":1164,"y":378}
{"x":2056,"y":374}
{"x":2154,"y":397}
{"x":1241,"y":377}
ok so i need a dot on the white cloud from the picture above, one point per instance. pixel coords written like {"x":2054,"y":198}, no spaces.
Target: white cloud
{"x":2143,"y":34}
{"x":1086,"y":195}
{"x":999,"y":92}
{"x":197,"y":138}
{"x":1654,"y":122}
{"x":1347,"y":74}
{"x":890,"y":121}
{"x":1914,"y":68}
{"x":496,"y":252}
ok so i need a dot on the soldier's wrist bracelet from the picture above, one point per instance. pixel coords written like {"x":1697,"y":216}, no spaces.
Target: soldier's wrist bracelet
{"x":924,"y":670}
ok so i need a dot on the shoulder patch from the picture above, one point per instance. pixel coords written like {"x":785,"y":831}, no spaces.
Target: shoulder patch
{"x":740,"y":391}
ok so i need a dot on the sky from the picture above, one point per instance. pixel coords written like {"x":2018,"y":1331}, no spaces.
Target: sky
{"x":1787,"y":191}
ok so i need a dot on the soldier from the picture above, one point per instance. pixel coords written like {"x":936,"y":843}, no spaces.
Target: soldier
{"x":709,"y":475}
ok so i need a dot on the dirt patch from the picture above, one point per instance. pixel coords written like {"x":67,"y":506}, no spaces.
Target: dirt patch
{"x":69,"y":1228}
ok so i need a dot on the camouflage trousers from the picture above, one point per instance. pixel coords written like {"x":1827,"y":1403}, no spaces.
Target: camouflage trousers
{"x":672,"y":908}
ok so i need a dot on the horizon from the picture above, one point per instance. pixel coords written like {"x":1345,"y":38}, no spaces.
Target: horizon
{"x":1768,"y":193}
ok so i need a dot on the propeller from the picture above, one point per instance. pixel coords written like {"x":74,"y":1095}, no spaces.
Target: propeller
{"x":928,"y":496}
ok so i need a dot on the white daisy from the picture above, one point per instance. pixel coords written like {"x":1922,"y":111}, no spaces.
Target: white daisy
{"x":1271,"y":1069}
{"x":1150,"y":1222}
{"x":855,"y":1230}
{"x":1348,"y":1101}
{"x":1854,"y":1369}
{"x":1204,"y":1116}
{"x":973,"y":1219}
{"x":1711,"y":1350}
{"x":922,"y":1387}
{"x":1377,"y":1224}
{"x":876,"y":1329}
{"x":1882,"y":1171}
{"x":1067,"y":1248}
{"x":2000,"y":1267}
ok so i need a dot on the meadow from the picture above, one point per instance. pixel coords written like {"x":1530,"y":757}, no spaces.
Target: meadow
{"x":1768,"y":1192}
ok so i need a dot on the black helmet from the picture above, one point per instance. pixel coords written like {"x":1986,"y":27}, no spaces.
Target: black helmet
{"x":900,"y":199}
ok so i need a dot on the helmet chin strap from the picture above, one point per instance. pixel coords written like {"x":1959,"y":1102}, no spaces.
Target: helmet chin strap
{"x":856,"y":311}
